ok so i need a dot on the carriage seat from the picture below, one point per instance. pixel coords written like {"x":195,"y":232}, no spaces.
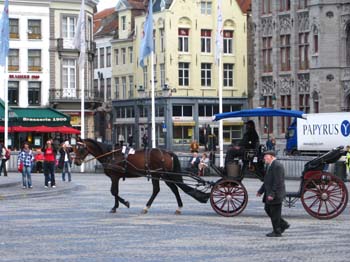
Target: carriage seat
{"x":327,"y":158}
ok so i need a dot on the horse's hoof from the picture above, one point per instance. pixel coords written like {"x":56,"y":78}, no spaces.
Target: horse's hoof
{"x":127,"y":204}
{"x":178,"y":212}
{"x":144,"y":211}
{"x":113,"y":211}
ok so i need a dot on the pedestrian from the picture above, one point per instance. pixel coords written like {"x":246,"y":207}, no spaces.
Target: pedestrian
{"x":274,"y":191}
{"x":193,"y":163}
{"x":65,"y":161}
{"x":270,"y":143}
{"x":121,"y":139}
{"x":194,"y":146}
{"x":347,"y":160}
{"x":25,"y":162}
{"x":203,"y":164}
{"x":49,"y":164}
{"x":145,"y":140}
{"x":130,"y":140}
{"x":3,"y":159}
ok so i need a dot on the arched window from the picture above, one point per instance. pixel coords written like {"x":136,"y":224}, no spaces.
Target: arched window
{"x":347,"y":47}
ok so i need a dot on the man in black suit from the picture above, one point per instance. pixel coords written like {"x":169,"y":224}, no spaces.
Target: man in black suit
{"x":274,"y":191}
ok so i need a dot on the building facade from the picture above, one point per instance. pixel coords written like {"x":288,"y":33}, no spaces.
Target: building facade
{"x":302,"y":51}
{"x":185,"y":74}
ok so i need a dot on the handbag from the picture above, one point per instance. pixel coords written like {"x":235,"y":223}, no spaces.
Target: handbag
{"x":20,"y":168}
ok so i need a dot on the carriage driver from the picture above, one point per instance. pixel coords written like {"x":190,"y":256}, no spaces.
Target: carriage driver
{"x":250,"y":140}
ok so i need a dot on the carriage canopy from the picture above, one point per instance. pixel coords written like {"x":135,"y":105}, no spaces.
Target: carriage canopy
{"x":260,"y":112}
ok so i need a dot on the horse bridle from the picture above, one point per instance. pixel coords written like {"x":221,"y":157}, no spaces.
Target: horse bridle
{"x":96,"y":157}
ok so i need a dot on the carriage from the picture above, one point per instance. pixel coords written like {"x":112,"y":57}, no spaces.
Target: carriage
{"x":323,"y":195}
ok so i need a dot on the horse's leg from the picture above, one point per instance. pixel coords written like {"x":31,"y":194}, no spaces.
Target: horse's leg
{"x":156,"y":189}
{"x":124,"y":202}
{"x":175,"y":190}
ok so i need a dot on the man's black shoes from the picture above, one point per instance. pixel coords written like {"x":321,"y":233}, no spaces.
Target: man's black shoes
{"x":284,"y":228}
{"x":274,"y":234}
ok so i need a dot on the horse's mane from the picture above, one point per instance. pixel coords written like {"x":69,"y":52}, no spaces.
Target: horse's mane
{"x":101,"y":147}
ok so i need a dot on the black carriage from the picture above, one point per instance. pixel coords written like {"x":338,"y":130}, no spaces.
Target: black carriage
{"x":323,"y":195}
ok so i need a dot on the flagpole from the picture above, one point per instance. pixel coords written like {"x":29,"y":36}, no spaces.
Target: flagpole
{"x":221,"y":130}
{"x":6,"y":126}
{"x":153,"y":111}
{"x":82,"y":116}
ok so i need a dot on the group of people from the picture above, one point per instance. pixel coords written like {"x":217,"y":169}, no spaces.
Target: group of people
{"x":26,"y":159}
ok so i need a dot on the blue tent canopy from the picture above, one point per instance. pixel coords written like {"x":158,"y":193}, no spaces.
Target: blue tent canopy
{"x":259,"y":112}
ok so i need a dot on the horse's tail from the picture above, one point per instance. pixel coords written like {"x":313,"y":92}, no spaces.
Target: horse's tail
{"x":196,"y":194}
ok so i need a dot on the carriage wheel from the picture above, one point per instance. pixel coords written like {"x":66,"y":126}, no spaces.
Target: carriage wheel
{"x":228,"y":198}
{"x":324,"y":196}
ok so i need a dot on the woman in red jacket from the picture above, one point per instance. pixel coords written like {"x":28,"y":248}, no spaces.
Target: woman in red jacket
{"x":49,"y":164}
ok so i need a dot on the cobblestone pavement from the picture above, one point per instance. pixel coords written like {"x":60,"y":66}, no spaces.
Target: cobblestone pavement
{"x":72,"y":223}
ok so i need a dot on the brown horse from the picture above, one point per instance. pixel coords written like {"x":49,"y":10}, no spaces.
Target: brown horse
{"x":154,"y":163}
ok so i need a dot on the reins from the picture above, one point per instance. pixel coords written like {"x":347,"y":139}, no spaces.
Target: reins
{"x":97,"y":157}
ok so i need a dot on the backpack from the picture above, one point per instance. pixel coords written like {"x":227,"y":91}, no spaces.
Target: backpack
{"x":7,"y":154}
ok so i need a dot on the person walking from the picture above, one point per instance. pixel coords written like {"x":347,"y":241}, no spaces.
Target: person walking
{"x":26,"y":159}
{"x":65,"y":161}
{"x":49,"y":164}
{"x":274,"y":191}
{"x":3,"y":159}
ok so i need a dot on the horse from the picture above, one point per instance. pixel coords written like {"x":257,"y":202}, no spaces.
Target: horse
{"x":155,"y":163}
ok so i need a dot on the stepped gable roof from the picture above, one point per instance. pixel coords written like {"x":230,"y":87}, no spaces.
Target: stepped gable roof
{"x":245,"y":5}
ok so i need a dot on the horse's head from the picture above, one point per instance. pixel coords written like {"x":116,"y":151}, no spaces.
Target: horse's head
{"x":81,"y":151}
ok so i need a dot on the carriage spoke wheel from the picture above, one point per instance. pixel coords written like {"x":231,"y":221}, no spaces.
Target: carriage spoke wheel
{"x":228,"y":198}
{"x":324,"y":196}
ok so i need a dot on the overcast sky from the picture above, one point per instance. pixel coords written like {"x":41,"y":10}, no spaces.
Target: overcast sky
{"x":103,"y":4}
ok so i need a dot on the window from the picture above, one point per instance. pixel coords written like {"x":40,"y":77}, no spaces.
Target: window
{"x":102,"y":57}
{"x":285,"y":52}
{"x":228,"y":42}
{"x":267,"y":54}
{"x":13,"y":60}
{"x":232,"y":134}
{"x":131,"y":86}
{"x":34,"y":60}
{"x":123,"y":56}
{"x":116,"y":84}
{"x":206,"y":6}
{"x":109,"y":89}
{"x":205,"y":41}
{"x":182,"y":134}
{"x":183,"y":40}
{"x":124,"y":87}
{"x":266,"y":6}
{"x":302,"y":4}
{"x":123,"y":23}
{"x":228,"y":75}
{"x":207,"y":110}
{"x":303,"y":51}
{"x":130,"y":50}
{"x":162,"y":47}
{"x":34,"y":29}
{"x":162,"y":75}
{"x":179,"y":110}
{"x":184,"y":74}
{"x":348,"y":45}
{"x":14,"y":28}
{"x":284,"y":5}
{"x":286,"y":104}
{"x":69,"y":78}
{"x":205,"y":74}
{"x":108,"y":56}
{"x":68,"y":26}
{"x":13,"y":89}
{"x":116,"y":55}
{"x":145,"y":78}
{"x":315,"y":49}
{"x":304,"y":103}
{"x":268,"y":121}
{"x":34,"y":91}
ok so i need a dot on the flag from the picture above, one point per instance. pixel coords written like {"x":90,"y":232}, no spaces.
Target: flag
{"x":146,"y":47}
{"x":79,"y":37}
{"x":219,"y":40}
{"x":4,"y":34}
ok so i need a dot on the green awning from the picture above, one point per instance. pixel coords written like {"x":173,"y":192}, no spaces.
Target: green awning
{"x":38,"y":116}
